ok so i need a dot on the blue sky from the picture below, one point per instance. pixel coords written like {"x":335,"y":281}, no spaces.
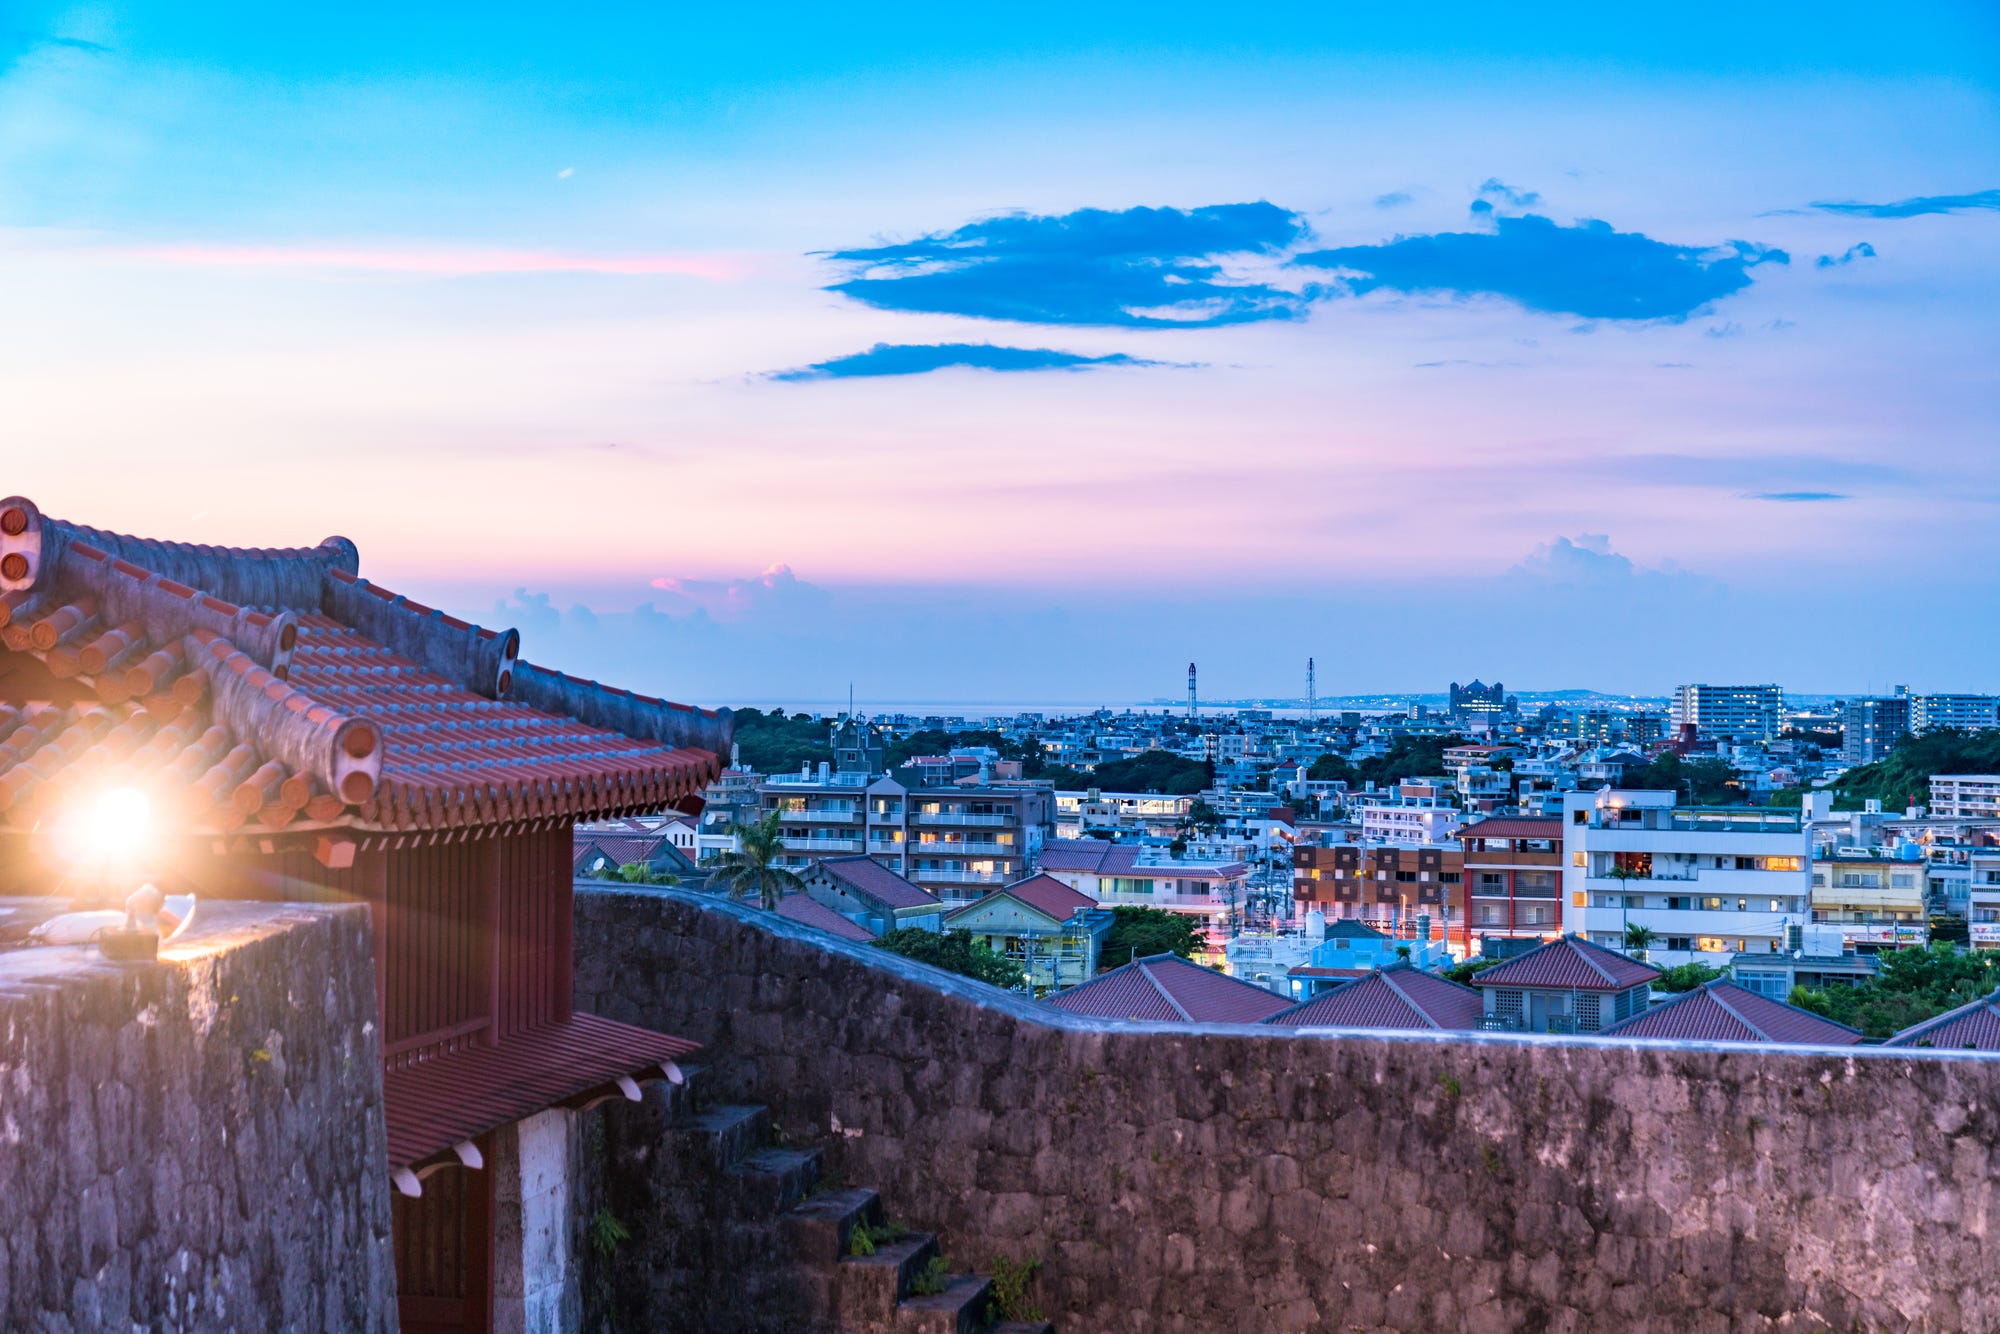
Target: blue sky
{"x":984,"y":353}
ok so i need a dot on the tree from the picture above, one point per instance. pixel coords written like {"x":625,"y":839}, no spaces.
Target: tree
{"x":1911,"y":986}
{"x":1138,"y":932}
{"x":1638,"y":937}
{"x":636,"y":873}
{"x":1904,"y":776}
{"x":1686,"y":977}
{"x":1331,"y":768}
{"x":753,"y":869}
{"x":955,"y":952}
{"x":1202,"y":817}
{"x":1705,"y":782}
{"x":772,"y":743}
{"x":1462,"y":972}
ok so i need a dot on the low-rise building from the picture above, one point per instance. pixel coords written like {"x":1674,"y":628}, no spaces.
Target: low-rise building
{"x":1413,"y":812}
{"x":1707,"y":883}
{"x":1722,"y":1011}
{"x":1513,"y":878}
{"x":1165,"y":988}
{"x":1128,"y":875}
{"x":1398,"y":996}
{"x":809,"y":911}
{"x":1388,"y":886}
{"x":1974,"y":1026}
{"x":865,"y":891}
{"x":1983,"y":900}
{"x":1053,"y":932}
{"x":1876,"y":901}
{"x":1566,"y":986}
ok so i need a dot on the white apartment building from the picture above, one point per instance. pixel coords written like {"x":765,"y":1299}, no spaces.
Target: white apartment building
{"x":1973,"y":795}
{"x":1710,"y":883}
{"x":1144,"y":814}
{"x":1414,"y":812}
{"x":1730,"y":711}
{"x":1983,"y":900}
{"x":1966,"y":713}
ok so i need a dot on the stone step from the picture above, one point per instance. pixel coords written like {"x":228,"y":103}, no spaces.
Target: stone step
{"x":1023,"y":1327}
{"x":726,"y":1133}
{"x":819,"y":1228}
{"x":868,"y":1287}
{"x":962,"y":1308}
{"x":773,"y":1180}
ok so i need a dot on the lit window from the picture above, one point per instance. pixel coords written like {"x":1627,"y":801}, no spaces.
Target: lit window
{"x":1781,"y":863}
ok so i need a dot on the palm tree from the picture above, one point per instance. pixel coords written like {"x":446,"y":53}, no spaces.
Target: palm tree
{"x":1637,"y":938}
{"x":753,"y":868}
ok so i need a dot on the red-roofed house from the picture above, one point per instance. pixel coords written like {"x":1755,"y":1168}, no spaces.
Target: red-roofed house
{"x":299,"y":733}
{"x":1165,"y":988}
{"x":1973,"y":1027}
{"x":1566,"y":986}
{"x":863,"y":889}
{"x":809,"y":911}
{"x":1051,"y":930}
{"x":1721,"y":1011}
{"x":1394,"y":997}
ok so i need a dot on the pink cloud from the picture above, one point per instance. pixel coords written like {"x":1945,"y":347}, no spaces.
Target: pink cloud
{"x":444,"y":262}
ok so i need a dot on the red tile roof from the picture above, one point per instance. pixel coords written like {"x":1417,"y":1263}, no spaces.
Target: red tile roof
{"x":865,"y":875}
{"x":439,"y":1102}
{"x":1975,"y":1025}
{"x":1390,"y":998}
{"x":1311,"y":970}
{"x":271,"y":689}
{"x":1094,"y":856}
{"x":1722,"y":1011}
{"x":1074,"y":854}
{"x":809,"y":911}
{"x":1167,"y":988}
{"x":1044,"y":893}
{"x":1569,"y":964}
{"x":1513,"y":826}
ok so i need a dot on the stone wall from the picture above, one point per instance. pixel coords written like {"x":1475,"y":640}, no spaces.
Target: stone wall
{"x":1200,"y":1179}
{"x":196,"y":1144}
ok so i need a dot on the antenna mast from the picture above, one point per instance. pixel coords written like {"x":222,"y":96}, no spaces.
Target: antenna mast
{"x":1312,"y":696}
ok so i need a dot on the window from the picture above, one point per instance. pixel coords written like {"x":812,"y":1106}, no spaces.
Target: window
{"x":1680,"y":942}
{"x":1587,"y":1012}
{"x":1781,"y":863}
{"x":1711,"y":945}
{"x":1492,"y":879}
{"x":1451,"y":877}
{"x":1507,"y":1004}
{"x":1711,"y":904}
{"x":1770,"y":985}
{"x":1576,"y":858}
{"x":1902,"y":882}
{"x":1746,"y":863}
{"x":1406,"y":877}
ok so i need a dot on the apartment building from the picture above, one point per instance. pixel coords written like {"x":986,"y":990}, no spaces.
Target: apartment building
{"x":1729,"y":712}
{"x":1141,"y":814}
{"x":1608,"y":727}
{"x":1975,"y":796}
{"x":957,"y":840}
{"x":1127,"y":875}
{"x":1965,"y":713}
{"x":1513,"y":879}
{"x":1710,"y":883}
{"x":1415,"y":812}
{"x":1983,"y":899}
{"x":1384,"y":885}
{"x":1876,"y":900}
{"x":1871,"y":727}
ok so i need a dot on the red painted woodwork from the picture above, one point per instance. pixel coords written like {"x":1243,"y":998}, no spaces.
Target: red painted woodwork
{"x":444,"y":1254}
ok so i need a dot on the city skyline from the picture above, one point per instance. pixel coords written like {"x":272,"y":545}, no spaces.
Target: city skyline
{"x":976,"y":360}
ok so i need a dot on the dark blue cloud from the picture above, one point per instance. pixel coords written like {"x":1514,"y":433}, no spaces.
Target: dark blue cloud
{"x":1859,"y":250}
{"x":1142,"y":268}
{"x":1914,"y":207}
{"x":1798,"y":497}
{"x":917,"y":358}
{"x":1588,"y":269}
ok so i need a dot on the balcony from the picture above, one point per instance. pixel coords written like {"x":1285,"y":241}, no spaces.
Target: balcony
{"x":964,"y":818}
{"x":928,"y":877}
{"x":818,"y":816}
{"x":1180,"y":902}
{"x":967,"y":848}
{"x":820,"y":846}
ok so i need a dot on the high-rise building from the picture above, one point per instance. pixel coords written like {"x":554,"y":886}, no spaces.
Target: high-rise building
{"x":1479,"y":699}
{"x":1723,"y":713}
{"x":1870,"y":728}
{"x":1931,"y":713}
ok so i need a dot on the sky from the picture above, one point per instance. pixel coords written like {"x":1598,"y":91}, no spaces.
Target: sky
{"x":1030,"y":353}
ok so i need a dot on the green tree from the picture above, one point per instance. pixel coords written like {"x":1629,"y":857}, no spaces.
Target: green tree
{"x":753,"y":869}
{"x":1904,"y":777}
{"x":1202,"y":817}
{"x":772,"y":743}
{"x":1638,"y":937}
{"x":1408,"y":757}
{"x":1139,"y":932}
{"x":1462,"y":972}
{"x":1686,"y":977}
{"x":955,"y":952}
{"x":1911,"y":986}
{"x":1331,"y":768}
{"x":636,"y":873}
{"x":1705,"y":782}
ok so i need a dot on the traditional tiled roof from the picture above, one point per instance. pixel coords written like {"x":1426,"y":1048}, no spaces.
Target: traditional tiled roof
{"x":865,"y":875}
{"x":1074,"y":854}
{"x":1346,"y":928}
{"x":257,"y":690}
{"x":1975,"y":1025}
{"x":1314,"y":970}
{"x":1513,"y":826}
{"x":1167,"y":988}
{"x":1094,"y":856}
{"x":1569,"y":964}
{"x":1390,"y":998}
{"x":1043,"y":893}
{"x":809,"y":911}
{"x":1722,"y":1011}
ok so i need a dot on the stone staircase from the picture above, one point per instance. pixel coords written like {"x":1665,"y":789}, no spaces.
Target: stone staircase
{"x":816,"y":1223}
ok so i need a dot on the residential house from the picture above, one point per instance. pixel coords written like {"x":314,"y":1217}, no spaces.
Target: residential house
{"x":1722,"y":1011}
{"x":1513,"y":878}
{"x":1974,"y":1026}
{"x":1566,"y":986}
{"x":1125,"y":875}
{"x":1877,"y":901}
{"x":808,"y":911}
{"x":1416,"y":812}
{"x":865,"y":891}
{"x":1052,"y":931}
{"x":1398,"y":996}
{"x":1165,"y":988}
{"x":1351,"y":948}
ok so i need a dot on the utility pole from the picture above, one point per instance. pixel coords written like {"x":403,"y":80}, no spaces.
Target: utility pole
{"x":1312,"y":697}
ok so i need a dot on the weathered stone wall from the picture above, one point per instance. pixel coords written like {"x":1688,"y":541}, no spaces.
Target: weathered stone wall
{"x":197,"y":1144}
{"x":1253,"y":1179}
